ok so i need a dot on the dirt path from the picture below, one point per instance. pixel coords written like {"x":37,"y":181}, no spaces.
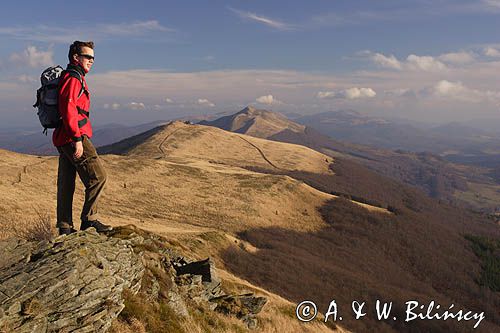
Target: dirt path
{"x":25,"y":170}
{"x":261,"y":153}
{"x":164,"y":140}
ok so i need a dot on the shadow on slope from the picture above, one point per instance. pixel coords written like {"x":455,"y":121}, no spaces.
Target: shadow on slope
{"x":367,"y":256}
{"x":426,"y":171}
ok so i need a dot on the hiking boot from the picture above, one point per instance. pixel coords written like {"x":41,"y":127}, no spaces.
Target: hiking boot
{"x":66,"y":231}
{"x":99,"y":227}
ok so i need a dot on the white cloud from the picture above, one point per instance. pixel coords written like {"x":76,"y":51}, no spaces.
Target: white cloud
{"x":205,"y":102}
{"x":446,"y":88}
{"x":426,"y":63}
{"x":350,"y":93}
{"x":268,"y":99}
{"x":33,"y":57}
{"x":231,"y":87}
{"x":491,"y":52}
{"x":136,"y":106}
{"x":415,"y":62}
{"x":276,"y":24}
{"x":96,"y":32}
{"x":168,"y":100}
{"x":326,"y":94}
{"x":458,"y":58}
{"x":112,"y":106}
{"x":458,"y":91}
{"x":386,"y":62}
{"x":130,"y":106}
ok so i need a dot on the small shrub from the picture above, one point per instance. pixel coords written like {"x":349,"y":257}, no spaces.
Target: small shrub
{"x":155,"y":317}
{"x":38,"y":229}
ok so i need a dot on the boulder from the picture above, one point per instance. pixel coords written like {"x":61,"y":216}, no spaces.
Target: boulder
{"x":73,"y":283}
{"x":80,"y":282}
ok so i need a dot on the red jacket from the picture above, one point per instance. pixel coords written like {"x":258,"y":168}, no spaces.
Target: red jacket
{"x":73,"y":110}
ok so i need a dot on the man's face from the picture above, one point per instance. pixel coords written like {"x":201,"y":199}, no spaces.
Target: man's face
{"x":86,"y":58}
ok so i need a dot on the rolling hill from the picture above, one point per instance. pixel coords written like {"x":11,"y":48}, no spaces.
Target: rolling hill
{"x":469,"y":185}
{"x":264,"y":210}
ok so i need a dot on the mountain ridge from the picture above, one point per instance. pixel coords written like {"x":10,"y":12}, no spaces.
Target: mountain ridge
{"x":281,"y":228}
{"x":439,"y":178}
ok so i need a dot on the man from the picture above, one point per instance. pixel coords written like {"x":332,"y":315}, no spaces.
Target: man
{"x":72,"y":140}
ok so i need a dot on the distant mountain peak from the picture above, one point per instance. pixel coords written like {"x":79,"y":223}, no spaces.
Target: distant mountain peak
{"x":253,"y":111}
{"x":249,"y":109}
{"x":256,"y":122}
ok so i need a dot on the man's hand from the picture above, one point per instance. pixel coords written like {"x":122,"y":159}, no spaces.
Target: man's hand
{"x":78,"y":149}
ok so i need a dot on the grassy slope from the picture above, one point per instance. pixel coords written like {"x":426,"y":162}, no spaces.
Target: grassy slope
{"x":200,"y":183}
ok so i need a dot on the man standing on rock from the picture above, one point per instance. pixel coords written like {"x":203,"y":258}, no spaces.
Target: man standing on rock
{"x":72,"y":140}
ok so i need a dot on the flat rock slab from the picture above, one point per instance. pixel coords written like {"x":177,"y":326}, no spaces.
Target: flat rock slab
{"x":73,"y":283}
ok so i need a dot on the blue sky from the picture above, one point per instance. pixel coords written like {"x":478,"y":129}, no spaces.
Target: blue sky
{"x":427,"y":60}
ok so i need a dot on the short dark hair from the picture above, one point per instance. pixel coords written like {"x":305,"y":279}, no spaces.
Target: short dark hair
{"x":76,"y":48}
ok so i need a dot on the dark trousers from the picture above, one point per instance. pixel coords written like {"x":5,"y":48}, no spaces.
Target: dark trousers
{"x":92,"y":174}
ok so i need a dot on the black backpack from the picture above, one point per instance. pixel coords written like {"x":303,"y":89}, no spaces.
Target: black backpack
{"x":47,"y":95}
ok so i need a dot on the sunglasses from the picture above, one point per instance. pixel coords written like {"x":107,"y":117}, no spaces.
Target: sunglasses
{"x":87,"y":56}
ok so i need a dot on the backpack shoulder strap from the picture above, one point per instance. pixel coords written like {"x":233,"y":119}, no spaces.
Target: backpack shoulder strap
{"x":77,"y":75}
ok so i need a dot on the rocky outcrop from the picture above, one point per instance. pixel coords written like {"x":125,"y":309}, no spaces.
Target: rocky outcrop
{"x":244,"y":307}
{"x":71,"y":284}
{"x":80,"y":282}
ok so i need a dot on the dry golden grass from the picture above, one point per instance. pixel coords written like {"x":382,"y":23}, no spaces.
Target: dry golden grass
{"x":198,"y":194}
{"x":277,"y":316}
{"x":38,"y":229}
{"x":200,"y":185}
{"x":264,"y":123}
{"x":179,"y":140}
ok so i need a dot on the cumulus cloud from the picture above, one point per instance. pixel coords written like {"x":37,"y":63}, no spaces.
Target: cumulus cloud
{"x":446,"y":88}
{"x":276,"y":24}
{"x":33,"y":57}
{"x":136,"y":106}
{"x":415,"y":62}
{"x":129,"y":106}
{"x":458,"y":58}
{"x":231,"y":87}
{"x":351,"y":93}
{"x":426,"y":63}
{"x":168,"y":100}
{"x":112,"y":106}
{"x":491,"y":52}
{"x":268,"y":99}
{"x":458,"y":91}
{"x":386,"y":61}
{"x":205,"y":102}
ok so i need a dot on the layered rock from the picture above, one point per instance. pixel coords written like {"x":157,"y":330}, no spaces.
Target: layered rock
{"x":71,"y":284}
{"x":80,"y":282}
